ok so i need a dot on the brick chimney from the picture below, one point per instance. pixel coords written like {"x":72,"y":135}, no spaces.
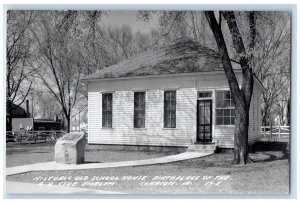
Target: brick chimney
{"x":27,"y":109}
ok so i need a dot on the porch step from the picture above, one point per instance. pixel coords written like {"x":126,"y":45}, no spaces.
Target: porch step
{"x":209,"y":148}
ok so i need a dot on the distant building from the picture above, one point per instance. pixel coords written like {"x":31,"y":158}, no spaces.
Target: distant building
{"x":21,"y":120}
{"x":46,"y":124}
{"x":18,"y":111}
{"x":20,"y":117}
{"x":75,"y":125}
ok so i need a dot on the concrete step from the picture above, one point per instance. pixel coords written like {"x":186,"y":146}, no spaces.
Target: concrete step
{"x":202,"y":148}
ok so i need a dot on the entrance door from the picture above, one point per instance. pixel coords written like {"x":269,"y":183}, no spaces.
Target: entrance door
{"x":204,"y":121}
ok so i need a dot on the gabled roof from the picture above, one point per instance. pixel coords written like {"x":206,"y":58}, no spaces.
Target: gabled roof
{"x":182,"y":56}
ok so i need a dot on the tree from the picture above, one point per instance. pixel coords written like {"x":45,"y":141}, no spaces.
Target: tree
{"x":104,"y":47}
{"x":280,"y":106}
{"x":241,"y":96}
{"x":18,"y":54}
{"x":270,"y":97}
{"x":174,"y":20}
{"x":46,"y":106}
{"x":174,"y":25}
{"x":59,"y":58}
{"x":71,"y":45}
{"x":272,"y":62}
{"x":270,"y":55}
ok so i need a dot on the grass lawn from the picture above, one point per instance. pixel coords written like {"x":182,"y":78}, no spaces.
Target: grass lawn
{"x":270,"y":175}
{"x":23,"y":154}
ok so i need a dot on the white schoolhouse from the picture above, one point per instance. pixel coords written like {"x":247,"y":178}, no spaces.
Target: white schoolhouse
{"x":177,"y":95}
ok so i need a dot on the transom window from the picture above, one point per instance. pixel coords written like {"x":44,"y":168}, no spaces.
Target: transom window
{"x":170,"y":109}
{"x":204,"y":94}
{"x":107,"y":100}
{"x":139,"y":109}
{"x":225,"y":108}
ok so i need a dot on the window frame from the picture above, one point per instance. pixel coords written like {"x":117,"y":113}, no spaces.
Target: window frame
{"x":134,"y":110}
{"x":204,"y":92}
{"x":164,"y":110}
{"x":223,"y":108}
{"x":105,"y":111}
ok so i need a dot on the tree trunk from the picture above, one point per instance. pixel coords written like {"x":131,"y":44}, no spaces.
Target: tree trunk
{"x":265,"y":116}
{"x":10,"y":111}
{"x":68,"y":123}
{"x":288,"y":116}
{"x":241,"y":135}
{"x":241,"y":97}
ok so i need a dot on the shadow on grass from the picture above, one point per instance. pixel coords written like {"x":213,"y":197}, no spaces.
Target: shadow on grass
{"x":18,"y":151}
{"x":25,"y":151}
{"x":92,"y":162}
{"x":270,"y":146}
{"x":275,"y":150}
{"x":12,"y":145}
{"x":40,"y":152}
{"x":276,"y":158}
{"x":264,"y":152}
{"x":214,"y":160}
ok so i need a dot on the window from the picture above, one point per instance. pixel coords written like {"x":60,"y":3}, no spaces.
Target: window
{"x":139,"y":109}
{"x":204,"y":94}
{"x":170,"y":109}
{"x":107,"y":110}
{"x":225,"y":108}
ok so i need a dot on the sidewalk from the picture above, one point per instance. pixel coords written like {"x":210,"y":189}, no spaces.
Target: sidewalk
{"x":34,"y":189}
{"x":48,"y":166}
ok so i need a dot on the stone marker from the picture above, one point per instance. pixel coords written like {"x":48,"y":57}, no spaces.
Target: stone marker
{"x":70,"y":148}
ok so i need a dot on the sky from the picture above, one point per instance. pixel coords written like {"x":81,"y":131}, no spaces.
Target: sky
{"x":121,"y":17}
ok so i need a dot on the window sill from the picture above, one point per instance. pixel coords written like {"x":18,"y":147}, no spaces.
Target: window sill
{"x":139,"y":128}
{"x":107,"y":128}
{"x":170,"y":128}
{"x":224,"y":125}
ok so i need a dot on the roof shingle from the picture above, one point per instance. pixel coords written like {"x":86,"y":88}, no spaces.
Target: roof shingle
{"x":183,"y":56}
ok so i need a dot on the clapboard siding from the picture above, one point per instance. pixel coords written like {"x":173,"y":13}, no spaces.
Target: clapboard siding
{"x":251,"y":120}
{"x":224,"y":135}
{"x":215,"y":82}
{"x":254,"y":101}
{"x":170,"y":81}
{"x":94,"y":114}
{"x":123,"y":131}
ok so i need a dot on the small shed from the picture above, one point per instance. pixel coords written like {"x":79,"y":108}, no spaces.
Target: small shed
{"x":176,"y":95}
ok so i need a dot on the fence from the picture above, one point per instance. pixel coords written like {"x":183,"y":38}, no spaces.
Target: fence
{"x":275,"y":133}
{"x":28,"y":136}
